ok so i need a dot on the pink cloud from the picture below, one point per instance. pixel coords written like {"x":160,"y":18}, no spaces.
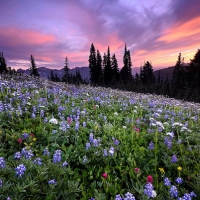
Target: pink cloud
{"x":17,"y":36}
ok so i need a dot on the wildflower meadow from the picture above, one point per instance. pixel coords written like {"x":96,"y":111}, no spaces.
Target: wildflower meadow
{"x":59,"y":141}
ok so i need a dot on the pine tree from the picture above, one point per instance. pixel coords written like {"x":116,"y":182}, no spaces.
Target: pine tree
{"x":115,"y":68}
{"x":92,"y":65}
{"x":52,"y":76}
{"x":33,"y":69}
{"x":126,"y":73}
{"x":3,"y":66}
{"x":147,"y":76}
{"x":108,"y":70}
{"x":193,"y":71}
{"x":99,"y":69}
{"x":66,"y":76}
{"x":178,"y":78}
{"x":57,"y":79}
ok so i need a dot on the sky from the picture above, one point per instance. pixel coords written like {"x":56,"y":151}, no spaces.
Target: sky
{"x":153,"y":30}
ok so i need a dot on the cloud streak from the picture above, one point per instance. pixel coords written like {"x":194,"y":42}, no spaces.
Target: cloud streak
{"x":51,"y":30}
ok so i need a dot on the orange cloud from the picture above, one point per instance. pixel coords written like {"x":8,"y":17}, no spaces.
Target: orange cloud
{"x":16,"y":36}
{"x":190,"y":30}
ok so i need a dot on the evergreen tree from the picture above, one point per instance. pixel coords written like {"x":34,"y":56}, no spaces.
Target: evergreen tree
{"x":3,"y":66}
{"x":66,"y":77}
{"x":92,"y":65}
{"x":52,"y":76}
{"x":108,"y":70}
{"x":178,"y":78}
{"x":193,"y":71}
{"x":33,"y":69}
{"x":147,"y":76}
{"x":115,"y":68}
{"x":126,"y":73}
{"x":57,"y":79}
{"x":99,"y":72}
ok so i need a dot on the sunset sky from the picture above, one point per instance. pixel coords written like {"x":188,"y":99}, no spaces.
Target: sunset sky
{"x":154,"y":30}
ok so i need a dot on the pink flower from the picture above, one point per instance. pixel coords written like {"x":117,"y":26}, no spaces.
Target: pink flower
{"x":104,"y":175}
{"x":69,"y":120}
{"x":31,"y":134}
{"x":149,"y":179}
{"x":19,"y":141}
{"x":136,"y":170}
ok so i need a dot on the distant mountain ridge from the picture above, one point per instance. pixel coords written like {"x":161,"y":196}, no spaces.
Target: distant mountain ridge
{"x":85,"y":72}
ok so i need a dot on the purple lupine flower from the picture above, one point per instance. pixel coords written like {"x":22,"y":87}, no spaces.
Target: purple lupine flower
{"x":46,"y":152}
{"x":2,"y":162}
{"x":25,"y":136}
{"x":91,"y":137}
{"x":173,"y":191}
{"x":85,"y":159}
{"x":57,"y":156}
{"x":116,"y":142}
{"x":105,"y":152}
{"x":148,"y":189}
{"x":168,"y":142}
{"x":20,"y":169}
{"x":151,"y":146}
{"x":186,"y":196}
{"x":27,"y":153}
{"x":84,"y":124}
{"x":42,"y":113}
{"x":112,"y":151}
{"x":174,"y":159}
{"x":52,"y":182}
{"x":64,"y":164}
{"x":192,"y":194}
{"x":38,"y":161}
{"x":17,"y":155}
{"x":129,"y":196}
{"x":118,"y":197}
{"x":167,"y":182}
{"x":1,"y":183}
{"x":179,"y":180}
{"x":87,"y":145}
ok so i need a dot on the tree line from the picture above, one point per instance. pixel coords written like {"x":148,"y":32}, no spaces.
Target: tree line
{"x":104,"y":71}
{"x":184,"y":84}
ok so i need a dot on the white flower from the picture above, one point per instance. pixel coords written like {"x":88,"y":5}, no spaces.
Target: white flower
{"x":166,"y":123}
{"x":170,"y":134}
{"x":28,"y":103}
{"x":124,"y":127}
{"x":53,"y":121}
{"x":115,"y":113}
{"x":135,"y":111}
{"x":160,"y":124}
{"x":153,"y":194}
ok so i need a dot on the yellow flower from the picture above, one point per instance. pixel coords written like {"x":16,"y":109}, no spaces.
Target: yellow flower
{"x":162,"y":170}
{"x":179,"y":168}
{"x":34,"y":139}
{"x":0,"y":131}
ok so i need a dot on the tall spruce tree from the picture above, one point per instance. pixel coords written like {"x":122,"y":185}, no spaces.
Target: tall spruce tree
{"x":3,"y":66}
{"x":115,"y":68}
{"x":108,"y":70}
{"x":92,"y":65}
{"x":147,"y":76}
{"x":178,"y":78}
{"x":33,"y":69}
{"x":66,"y":76}
{"x":126,"y":73}
{"x":193,"y":71}
{"x":52,"y":77}
{"x":99,"y":69}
